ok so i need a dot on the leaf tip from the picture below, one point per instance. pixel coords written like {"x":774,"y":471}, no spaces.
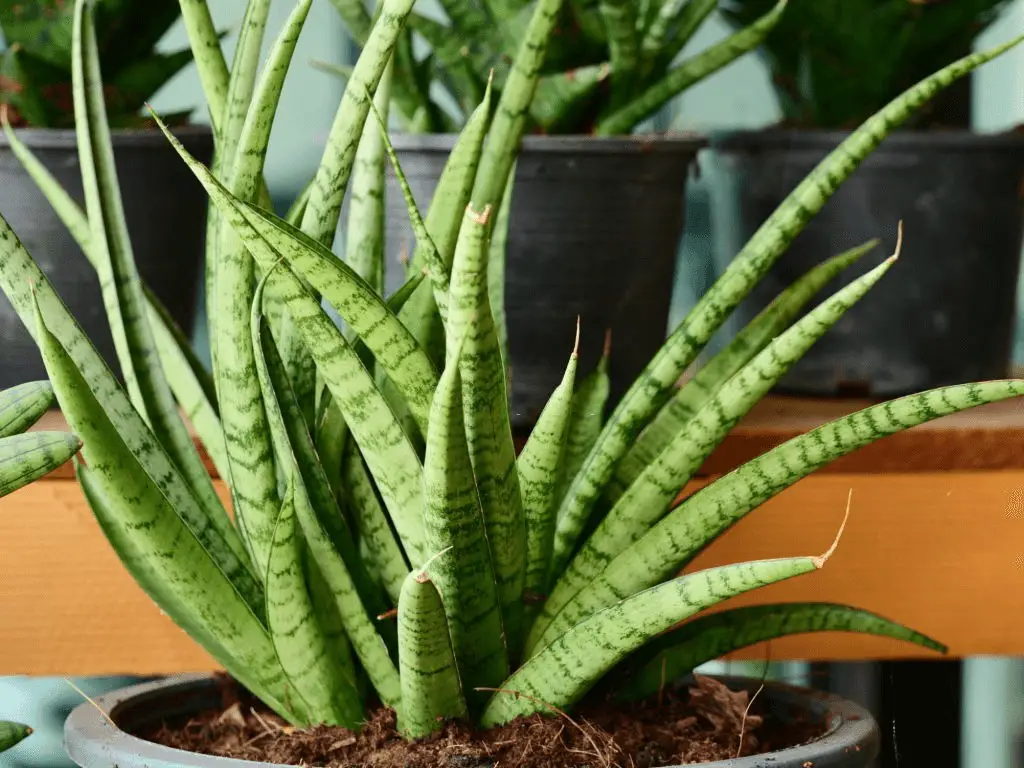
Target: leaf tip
{"x":819,"y":562}
{"x":576,"y":344}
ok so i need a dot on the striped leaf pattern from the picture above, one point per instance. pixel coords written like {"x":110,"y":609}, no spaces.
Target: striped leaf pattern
{"x":683,"y":17}
{"x":26,"y":458}
{"x":588,"y":407}
{"x":457,"y":535}
{"x":488,"y":430}
{"x":710,"y":637}
{"x":653,"y":387}
{"x":562,"y":672}
{"x":670,"y":544}
{"x":23,"y":405}
{"x":431,"y":689}
{"x":768,"y":324}
{"x":647,"y":499}
{"x":327,"y":692}
{"x":539,"y":466}
{"x":12,"y":734}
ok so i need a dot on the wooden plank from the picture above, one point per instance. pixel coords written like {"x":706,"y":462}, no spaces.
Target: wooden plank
{"x":986,"y":438}
{"x":941,"y":551}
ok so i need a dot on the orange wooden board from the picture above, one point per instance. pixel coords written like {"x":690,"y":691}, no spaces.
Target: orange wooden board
{"x":941,"y":551}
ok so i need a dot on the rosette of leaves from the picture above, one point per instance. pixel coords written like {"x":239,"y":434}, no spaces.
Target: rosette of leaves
{"x":610,"y":64}
{"x":35,"y":67}
{"x":388,"y":544}
{"x":834,"y":63}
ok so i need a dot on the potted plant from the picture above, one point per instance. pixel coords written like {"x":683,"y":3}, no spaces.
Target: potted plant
{"x":833,"y":63}
{"x":389,"y":556}
{"x":164,"y":213}
{"x":596,"y":215}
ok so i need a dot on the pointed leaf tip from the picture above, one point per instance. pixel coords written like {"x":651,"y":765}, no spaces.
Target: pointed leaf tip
{"x":576,"y":344}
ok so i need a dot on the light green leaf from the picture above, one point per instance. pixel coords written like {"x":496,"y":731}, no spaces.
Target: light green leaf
{"x":23,"y":405}
{"x":654,"y":385}
{"x":213,"y":69}
{"x":707,"y":638}
{"x":683,"y":18}
{"x":431,"y":689}
{"x":588,"y":406}
{"x":488,"y":430}
{"x":25,"y":458}
{"x":562,"y":672}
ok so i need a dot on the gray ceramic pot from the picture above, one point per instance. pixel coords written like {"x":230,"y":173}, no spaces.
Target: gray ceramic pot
{"x":594,"y":233}
{"x":945,"y":313}
{"x":166,"y":212}
{"x":852,"y":739}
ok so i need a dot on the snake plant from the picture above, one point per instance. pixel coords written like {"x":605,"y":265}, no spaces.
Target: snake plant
{"x":12,"y":733}
{"x":35,"y":65}
{"x":386,"y":535}
{"x":610,"y":64}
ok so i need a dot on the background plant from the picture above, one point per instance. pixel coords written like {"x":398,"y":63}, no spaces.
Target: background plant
{"x":835,"y":62}
{"x":371,"y":465}
{"x":35,"y":68}
{"x":610,"y":65}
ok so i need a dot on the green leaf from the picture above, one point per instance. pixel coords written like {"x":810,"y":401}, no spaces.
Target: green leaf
{"x":463,"y":570}
{"x":647,"y":499}
{"x":707,"y":638}
{"x":675,"y":81}
{"x":689,"y":399}
{"x":154,"y":537}
{"x":620,"y":22}
{"x":588,"y":406}
{"x":488,"y":430}
{"x":670,"y":544}
{"x":209,"y":58}
{"x":364,"y":245}
{"x":327,"y":689}
{"x":12,"y":733}
{"x":340,"y":565}
{"x":23,"y":405}
{"x":25,"y":458}
{"x":356,"y":18}
{"x":654,"y":385}
{"x":19,"y":91}
{"x":453,"y":51}
{"x":539,"y":466}
{"x":133,"y":85}
{"x":683,"y":18}
{"x":321,"y":218}
{"x":496,"y":257}
{"x":562,"y":672}
{"x":509,"y":121}
{"x":560,"y":97}
{"x":431,"y":689}
{"x":241,"y":83}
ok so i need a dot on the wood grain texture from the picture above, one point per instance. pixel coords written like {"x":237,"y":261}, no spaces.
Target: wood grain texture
{"x":939,"y":551}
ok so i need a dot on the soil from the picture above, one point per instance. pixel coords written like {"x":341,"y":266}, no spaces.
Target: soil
{"x":701,"y":724}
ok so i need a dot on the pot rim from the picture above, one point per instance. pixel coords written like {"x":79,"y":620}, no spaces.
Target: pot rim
{"x":65,"y":138}
{"x":774,"y":137}
{"x":676,"y":142}
{"x":91,"y":739}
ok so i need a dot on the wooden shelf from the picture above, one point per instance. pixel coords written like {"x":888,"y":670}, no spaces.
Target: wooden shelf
{"x":935,"y":540}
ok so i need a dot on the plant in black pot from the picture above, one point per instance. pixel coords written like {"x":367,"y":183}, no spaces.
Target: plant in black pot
{"x":593,"y":224}
{"x":396,"y":587}
{"x":832,"y":64}
{"x":164,"y":213}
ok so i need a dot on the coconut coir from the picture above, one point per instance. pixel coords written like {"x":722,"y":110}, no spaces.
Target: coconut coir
{"x":702,"y":724}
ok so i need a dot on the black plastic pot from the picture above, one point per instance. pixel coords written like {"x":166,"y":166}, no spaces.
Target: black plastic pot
{"x":945,"y":313}
{"x":166,"y":213}
{"x":594,"y":232}
{"x":852,"y":739}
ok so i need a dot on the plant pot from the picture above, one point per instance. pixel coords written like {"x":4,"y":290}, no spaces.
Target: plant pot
{"x":852,"y":739}
{"x":945,"y":314}
{"x":166,"y":213}
{"x":594,"y":233}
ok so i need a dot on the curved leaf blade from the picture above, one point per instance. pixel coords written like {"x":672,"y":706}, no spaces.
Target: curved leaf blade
{"x":25,"y":458}
{"x":23,"y":405}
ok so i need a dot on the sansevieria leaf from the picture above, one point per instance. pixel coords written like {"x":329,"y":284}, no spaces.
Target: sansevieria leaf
{"x":488,"y":430}
{"x":647,"y":499}
{"x":685,"y":403}
{"x":12,"y":733}
{"x":456,"y":531}
{"x":25,"y":458}
{"x":23,"y":405}
{"x":562,"y":672}
{"x":670,"y":544}
{"x":431,"y":689}
{"x":654,"y":386}
{"x":710,"y":637}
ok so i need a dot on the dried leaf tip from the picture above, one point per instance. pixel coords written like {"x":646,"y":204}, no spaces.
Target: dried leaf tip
{"x":607,"y":342}
{"x":490,"y":77}
{"x":899,"y":242}
{"x":480,"y":218}
{"x":819,"y":562}
{"x":576,"y":344}
{"x":422,"y":577}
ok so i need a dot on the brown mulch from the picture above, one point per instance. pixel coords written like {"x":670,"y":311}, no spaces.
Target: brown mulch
{"x":702,"y":724}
